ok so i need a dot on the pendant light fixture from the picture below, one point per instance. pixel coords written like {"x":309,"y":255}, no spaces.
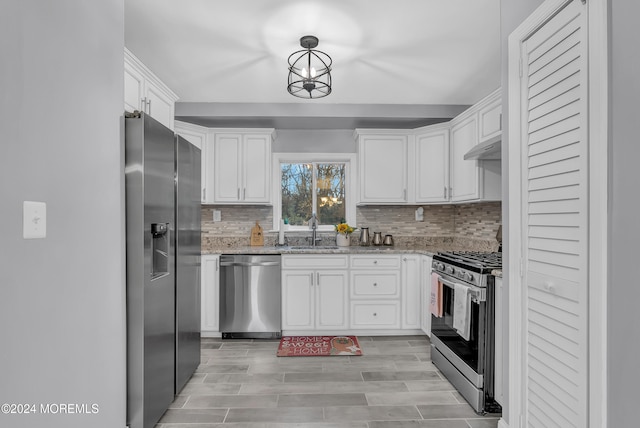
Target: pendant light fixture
{"x":309,"y":71}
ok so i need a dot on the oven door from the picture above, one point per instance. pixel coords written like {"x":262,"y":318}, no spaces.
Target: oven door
{"x":447,"y":339}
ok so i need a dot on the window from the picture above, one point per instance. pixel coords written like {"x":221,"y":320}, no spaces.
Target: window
{"x":320,"y":186}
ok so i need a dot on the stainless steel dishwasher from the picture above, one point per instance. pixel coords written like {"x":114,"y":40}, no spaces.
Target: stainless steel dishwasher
{"x":250,"y":296}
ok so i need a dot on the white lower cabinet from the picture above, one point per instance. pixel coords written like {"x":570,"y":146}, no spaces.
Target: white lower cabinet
{"x":210,"y":294}
{"x":425,"y":316}
{"x":375,"y":314}
{"x":411,"y":275}
{"x":314,"y":293}
{"x":379,"y":293}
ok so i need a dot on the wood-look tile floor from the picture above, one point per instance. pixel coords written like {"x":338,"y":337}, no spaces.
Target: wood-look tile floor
{"x":242,"y":384}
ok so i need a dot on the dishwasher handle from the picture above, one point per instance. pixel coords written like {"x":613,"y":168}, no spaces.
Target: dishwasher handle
{"x":234,"y":263}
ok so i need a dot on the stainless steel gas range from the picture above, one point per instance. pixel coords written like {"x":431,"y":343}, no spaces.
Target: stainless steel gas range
{"x":462,"y":324}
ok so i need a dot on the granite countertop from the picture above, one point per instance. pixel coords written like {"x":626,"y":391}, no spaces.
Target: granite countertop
{"x":330,"y":249}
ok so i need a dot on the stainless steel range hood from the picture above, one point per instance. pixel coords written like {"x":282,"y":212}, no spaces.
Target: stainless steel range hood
{"x":489,"y":150}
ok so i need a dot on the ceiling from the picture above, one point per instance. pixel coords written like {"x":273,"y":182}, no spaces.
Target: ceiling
{"x":394,"y":62}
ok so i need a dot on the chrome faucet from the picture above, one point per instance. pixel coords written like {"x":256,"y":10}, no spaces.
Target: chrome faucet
{"x":313,"y":222}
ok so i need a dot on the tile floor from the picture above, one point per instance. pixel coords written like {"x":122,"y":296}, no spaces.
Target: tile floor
{"x":242,"y":384}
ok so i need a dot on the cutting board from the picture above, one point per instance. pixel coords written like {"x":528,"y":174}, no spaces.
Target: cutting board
{"x":257,"y":236}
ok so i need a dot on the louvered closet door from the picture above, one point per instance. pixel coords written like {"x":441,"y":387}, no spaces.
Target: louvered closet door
{"x":555,"y":180}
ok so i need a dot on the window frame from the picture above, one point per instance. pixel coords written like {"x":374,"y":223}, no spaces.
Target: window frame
{"x":349,"y":160}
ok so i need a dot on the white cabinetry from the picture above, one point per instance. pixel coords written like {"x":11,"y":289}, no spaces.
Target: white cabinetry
{"x":411,"y":275}
{"x":210,"y":289}
{"x":314,"y":292}
{"x":499,"y":391}
{"x":242,"y":167}
{"x":425,"y":321}
{"x":432,"y":164}
{"x":490,"y":118}
{"x":143,"y":91}
{"x":198,"y":136}
{"x":383,"y":172}
{"x":475,"y":180}
{"x":375,"y":292}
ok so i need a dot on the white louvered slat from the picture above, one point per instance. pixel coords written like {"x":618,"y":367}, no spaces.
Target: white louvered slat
{"x":554,"y":221}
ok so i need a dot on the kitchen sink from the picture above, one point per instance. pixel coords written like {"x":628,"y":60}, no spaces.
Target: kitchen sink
{"x":317,"y":247}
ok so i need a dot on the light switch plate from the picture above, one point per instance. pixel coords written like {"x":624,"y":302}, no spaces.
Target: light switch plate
{"x":34,"y":221}
{"x":217,"y":215}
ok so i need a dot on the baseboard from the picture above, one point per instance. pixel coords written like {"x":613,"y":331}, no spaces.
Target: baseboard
{"x":502,"y":424}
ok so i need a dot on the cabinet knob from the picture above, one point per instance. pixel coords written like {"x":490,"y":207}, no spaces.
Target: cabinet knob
{"x":375,"y":262}
{"x":375,"y":314}
{"x":375,"y":284}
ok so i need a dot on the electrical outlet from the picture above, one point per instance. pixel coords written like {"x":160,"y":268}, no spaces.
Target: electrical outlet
{"x":217,"y":215}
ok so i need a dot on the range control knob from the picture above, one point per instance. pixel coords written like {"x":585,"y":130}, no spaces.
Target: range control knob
{"x":450,"y":270}
{"x":468,"y":276}
{"x":439,"y":266}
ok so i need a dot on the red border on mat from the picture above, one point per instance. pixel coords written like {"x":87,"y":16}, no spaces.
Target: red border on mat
{"x":318,"y":346}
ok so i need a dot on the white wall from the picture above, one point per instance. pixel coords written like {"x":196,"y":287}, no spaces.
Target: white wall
{"x":314,"y":141}
{"x":62,"y":325}
{"x":624,"y":288}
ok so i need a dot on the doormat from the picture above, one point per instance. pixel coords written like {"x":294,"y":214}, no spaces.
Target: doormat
{"x":318,"y":346}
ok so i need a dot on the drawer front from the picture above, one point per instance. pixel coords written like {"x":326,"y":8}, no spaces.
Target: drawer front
{"x":375,"y":315}
{"x":316,"y":261}
{"x":376,"y":285}
{"x":375,"y":262}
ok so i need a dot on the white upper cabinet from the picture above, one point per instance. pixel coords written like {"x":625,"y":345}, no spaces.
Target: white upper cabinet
{"x":464,"y":173}
{"x":490,"y":118}
{"x":198,"y":136}
{"x":143,"y":91}
{"x":475,"y":180}
{"x":432,"y":165}
{"x":427,"y":165}
{"x":242,"y":167}
{"x":383,"y":160}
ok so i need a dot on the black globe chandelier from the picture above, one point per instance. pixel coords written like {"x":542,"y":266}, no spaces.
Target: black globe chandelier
{"x":309,"y":71}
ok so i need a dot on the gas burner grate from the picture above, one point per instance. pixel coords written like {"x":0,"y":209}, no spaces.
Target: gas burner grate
{"x":474,"y":258}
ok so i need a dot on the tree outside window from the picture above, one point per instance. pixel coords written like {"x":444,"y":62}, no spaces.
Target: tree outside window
{"x":313,"y":187}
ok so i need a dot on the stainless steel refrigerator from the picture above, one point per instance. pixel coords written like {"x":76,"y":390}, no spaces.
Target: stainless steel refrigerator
{"x":163,"y":267}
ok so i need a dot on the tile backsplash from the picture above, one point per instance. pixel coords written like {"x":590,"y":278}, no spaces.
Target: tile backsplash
{"x":442,"y":223}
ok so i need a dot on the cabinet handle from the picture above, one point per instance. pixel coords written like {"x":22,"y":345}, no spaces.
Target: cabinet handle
{"x":238,"y":193}
{"x":312,"y":278}
{"x":244,"y":193}
{"x":318,"y":278}
{"x":149,"y":104}
{"x":405,"y":194}
{"x":217,"y":265}
{"x":143,"y":105}
{"x":445,"y":192}
{"x":204,"y":193}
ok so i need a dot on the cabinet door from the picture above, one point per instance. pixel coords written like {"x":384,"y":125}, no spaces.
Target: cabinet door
{"x":425,"y":322}
{"x":256,"y":169}
{"x":411,"y":275}
{"x":432,"y":167}
{"x":331,"y":300}
{"x":383,"y":169}
{"x":210,"y":286}
{"x":159,"y":106}
{"x":227,"y":167}
{"x":490,"y":118}
{"x":297,"y":299}
{"x":133,"y":88}
{"x":198,"y":137}
{"x":464,"y":173}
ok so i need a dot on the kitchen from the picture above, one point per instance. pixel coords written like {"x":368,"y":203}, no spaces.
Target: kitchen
{"x":46,"y":307}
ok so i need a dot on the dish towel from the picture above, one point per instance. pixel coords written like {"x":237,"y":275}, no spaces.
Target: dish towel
{"x":435,"y":299}
{"x":461,"y":311}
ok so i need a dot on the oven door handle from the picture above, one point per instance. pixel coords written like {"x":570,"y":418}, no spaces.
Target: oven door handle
{"x":477,"y":294}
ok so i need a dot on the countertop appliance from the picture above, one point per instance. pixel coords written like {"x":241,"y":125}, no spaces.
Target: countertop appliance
{"x":468,"y":363}
{"x":250,"y":296}
{"x":162,"y":185}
